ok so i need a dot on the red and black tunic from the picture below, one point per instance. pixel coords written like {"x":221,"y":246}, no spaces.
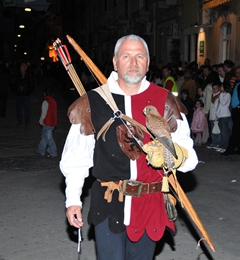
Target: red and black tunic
{"x":112,"y":164}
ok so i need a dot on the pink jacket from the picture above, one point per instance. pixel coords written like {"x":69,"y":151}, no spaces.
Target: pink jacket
{"x":198,"y":120}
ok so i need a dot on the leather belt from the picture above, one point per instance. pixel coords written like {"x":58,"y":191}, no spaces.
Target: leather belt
{"x":137,"y":188}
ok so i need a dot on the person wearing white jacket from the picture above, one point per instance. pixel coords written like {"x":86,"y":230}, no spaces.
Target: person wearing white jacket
{"x":224,"y":116}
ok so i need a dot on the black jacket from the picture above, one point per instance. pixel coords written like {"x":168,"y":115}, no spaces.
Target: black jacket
{"x":22,"y":85}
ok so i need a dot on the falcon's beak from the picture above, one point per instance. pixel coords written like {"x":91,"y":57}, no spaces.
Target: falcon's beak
{"x":145,"y":111}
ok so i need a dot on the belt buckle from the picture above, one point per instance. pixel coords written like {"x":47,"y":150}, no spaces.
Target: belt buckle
{"x":133,"y":183}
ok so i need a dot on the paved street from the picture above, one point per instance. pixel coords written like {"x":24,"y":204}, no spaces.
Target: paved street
{"x":32,"y":218}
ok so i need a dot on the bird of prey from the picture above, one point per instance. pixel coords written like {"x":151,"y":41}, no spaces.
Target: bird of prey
{"x":160,"y":129}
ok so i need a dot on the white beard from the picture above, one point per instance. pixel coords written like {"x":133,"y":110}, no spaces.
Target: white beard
{"x":132,"y":80}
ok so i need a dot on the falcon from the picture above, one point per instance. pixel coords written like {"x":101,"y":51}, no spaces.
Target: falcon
{"x":160,"y":130}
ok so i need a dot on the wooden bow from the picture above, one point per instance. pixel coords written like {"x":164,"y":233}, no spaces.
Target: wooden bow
{"x":181,"y":196}
{"x":92,"y":67}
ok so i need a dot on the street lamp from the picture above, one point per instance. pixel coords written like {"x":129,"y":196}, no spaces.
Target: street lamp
{"x":28,"y":9}
{"x":196,"y":25}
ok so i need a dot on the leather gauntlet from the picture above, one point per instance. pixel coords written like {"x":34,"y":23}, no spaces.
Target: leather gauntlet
{"x":155,"y":154}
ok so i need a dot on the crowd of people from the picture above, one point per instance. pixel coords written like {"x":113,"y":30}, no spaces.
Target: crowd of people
{"x":211,"y":95}
{"x":209,"y":92}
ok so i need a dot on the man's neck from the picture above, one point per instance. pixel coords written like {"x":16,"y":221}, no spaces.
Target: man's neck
{"x":128,"y":89}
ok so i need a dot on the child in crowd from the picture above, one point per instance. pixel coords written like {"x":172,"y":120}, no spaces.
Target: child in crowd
{"x":48,"y":120}
{"x":205,"y":133}
{"x":200,"y":95}
{"x":197,"y":125}
{"x":215,"y":137}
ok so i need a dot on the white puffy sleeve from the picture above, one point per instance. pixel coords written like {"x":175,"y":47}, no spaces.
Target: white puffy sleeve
{"x":77,"y":158}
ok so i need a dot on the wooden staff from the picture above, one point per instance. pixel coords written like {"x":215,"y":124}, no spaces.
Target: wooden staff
{"x":181,"y":196}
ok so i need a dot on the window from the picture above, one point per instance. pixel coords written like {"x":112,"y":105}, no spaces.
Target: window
{"x":229,"y":28}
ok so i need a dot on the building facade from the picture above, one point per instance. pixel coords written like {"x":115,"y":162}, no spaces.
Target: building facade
{"x":214,"y":32}
{"x":175,"y":30}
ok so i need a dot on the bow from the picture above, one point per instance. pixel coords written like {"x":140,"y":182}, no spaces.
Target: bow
{"x":97,"y":74}
{"x":181,"y":196}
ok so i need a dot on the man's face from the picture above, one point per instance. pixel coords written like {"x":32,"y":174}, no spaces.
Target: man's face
{"x":206,"y":62}
{"x":238,"y":74}
{"x":184,"y":96}
{"x":206,"y":72}
{"x":166,"y":73}
{"x":187,"y":75}
{"x":199,"y":91}
{"x":221,"y":72}
{"x":226,"y":69}
{"x":132,"y":62}
{"x":23,"y":68}
{"x":215,"y":88}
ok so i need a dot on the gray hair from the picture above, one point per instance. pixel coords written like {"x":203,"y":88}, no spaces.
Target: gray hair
{"x":133,"y":38}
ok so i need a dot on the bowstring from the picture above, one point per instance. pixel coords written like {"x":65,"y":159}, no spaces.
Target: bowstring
{"x":95,"y":78}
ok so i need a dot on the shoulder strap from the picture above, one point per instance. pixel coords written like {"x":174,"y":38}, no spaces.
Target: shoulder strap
{"x":105,"y":93}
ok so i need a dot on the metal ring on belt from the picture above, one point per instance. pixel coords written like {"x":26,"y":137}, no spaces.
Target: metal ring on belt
{"x":137,"y":188}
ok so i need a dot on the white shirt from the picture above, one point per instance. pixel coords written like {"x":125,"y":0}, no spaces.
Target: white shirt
{"x":213,"y":108}
{"x":223,"y":105}
{"x":44,"y":111}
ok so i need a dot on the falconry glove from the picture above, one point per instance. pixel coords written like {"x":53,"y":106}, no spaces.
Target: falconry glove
{"x":155,"y":154}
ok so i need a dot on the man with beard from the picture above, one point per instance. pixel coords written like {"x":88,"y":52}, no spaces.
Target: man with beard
{"x":127,"y":205}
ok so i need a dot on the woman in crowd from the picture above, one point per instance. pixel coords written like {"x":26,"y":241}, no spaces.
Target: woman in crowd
{"x":224,"y":115}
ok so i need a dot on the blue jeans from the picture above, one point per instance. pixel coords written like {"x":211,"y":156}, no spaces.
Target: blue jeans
{"x":117,"y":246}
{"x":23,"y":103}
{"x":224,"y":125}
{"x":216,"y":138}
{"x":47,"y":143}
